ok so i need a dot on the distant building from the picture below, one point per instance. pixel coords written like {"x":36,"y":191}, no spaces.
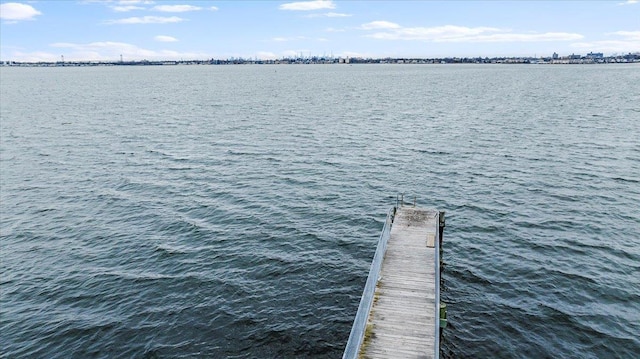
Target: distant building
{"x":554,"y":56}
{"x":595,"y":55}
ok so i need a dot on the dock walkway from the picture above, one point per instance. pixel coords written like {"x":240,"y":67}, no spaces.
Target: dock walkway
{"x":403,"y":319}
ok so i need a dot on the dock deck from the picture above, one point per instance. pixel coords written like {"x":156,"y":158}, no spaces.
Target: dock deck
{"x":403,"y":316}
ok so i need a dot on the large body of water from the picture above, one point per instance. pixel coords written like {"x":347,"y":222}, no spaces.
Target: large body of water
{"x":233,"y":212}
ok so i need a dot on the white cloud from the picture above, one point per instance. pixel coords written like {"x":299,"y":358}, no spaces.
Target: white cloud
{"x":626,"y":41}
{"x":12,"y":11}
{"x":126,"y":8}
{"x":214,"y":8}
{"x":629,"y":2}
{"x":118,"y":2}
{"x":133,"y":2}
{"x":452,"y":33}
{"x":147,"y":20}
{"x":285,"y":39}
{"x":36,"y":56}
{"x":266,"y":55}
{"x":295,"y":53}
{"x":336,"y":14}
{"x":308,"y":5}
{"x":628,"y":35}
{"x":379,"y":25}
{"x":176,"y":8}
{"x":298,"y":38}
{"x":608,"y":46}
{"x":352,"y":54}
{"x":111,"y":51}
{"x":329,"y":14}
{"x":164,"y":38}
{"x":121,"y":5}
{"x":511,"y":37}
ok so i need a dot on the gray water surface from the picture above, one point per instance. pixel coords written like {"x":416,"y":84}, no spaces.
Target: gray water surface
{"x":233,"y":211}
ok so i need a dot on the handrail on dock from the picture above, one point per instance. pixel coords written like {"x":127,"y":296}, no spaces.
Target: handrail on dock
{"x":436,"y":244}
{"x":360,"y":322}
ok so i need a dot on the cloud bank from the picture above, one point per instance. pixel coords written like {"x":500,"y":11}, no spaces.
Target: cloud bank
{"x":146,"y":20}
{"x":620,"y":42}
{"x":109,"y":50}
{"x":386,"y":30}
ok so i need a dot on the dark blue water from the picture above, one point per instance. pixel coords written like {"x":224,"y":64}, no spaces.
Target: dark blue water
{"x":210,"y":211}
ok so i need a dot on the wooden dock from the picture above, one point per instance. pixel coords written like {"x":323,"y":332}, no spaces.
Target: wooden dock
{"x":402,"y":319}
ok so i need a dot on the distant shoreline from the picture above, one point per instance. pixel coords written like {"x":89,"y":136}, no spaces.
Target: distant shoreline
{"x":566,"y":60}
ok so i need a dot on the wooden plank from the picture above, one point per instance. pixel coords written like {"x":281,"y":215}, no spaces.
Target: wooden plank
{"x":402,"y":317}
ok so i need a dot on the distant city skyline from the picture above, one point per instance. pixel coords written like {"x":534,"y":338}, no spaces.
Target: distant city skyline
{"x":108,"y":30}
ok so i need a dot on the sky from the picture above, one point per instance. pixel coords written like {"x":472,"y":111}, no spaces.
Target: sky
{"x":95,"y":30}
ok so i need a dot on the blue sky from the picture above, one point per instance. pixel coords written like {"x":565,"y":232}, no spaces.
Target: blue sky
{"x":103,"y":30}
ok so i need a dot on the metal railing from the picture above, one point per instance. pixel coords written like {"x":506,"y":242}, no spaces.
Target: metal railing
{"x":360,"y":322}
{"x":437,"y":281}
{"x":400,"y":200}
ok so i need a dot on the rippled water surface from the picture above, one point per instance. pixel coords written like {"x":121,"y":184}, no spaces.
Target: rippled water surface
{"x":233,"y":211}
